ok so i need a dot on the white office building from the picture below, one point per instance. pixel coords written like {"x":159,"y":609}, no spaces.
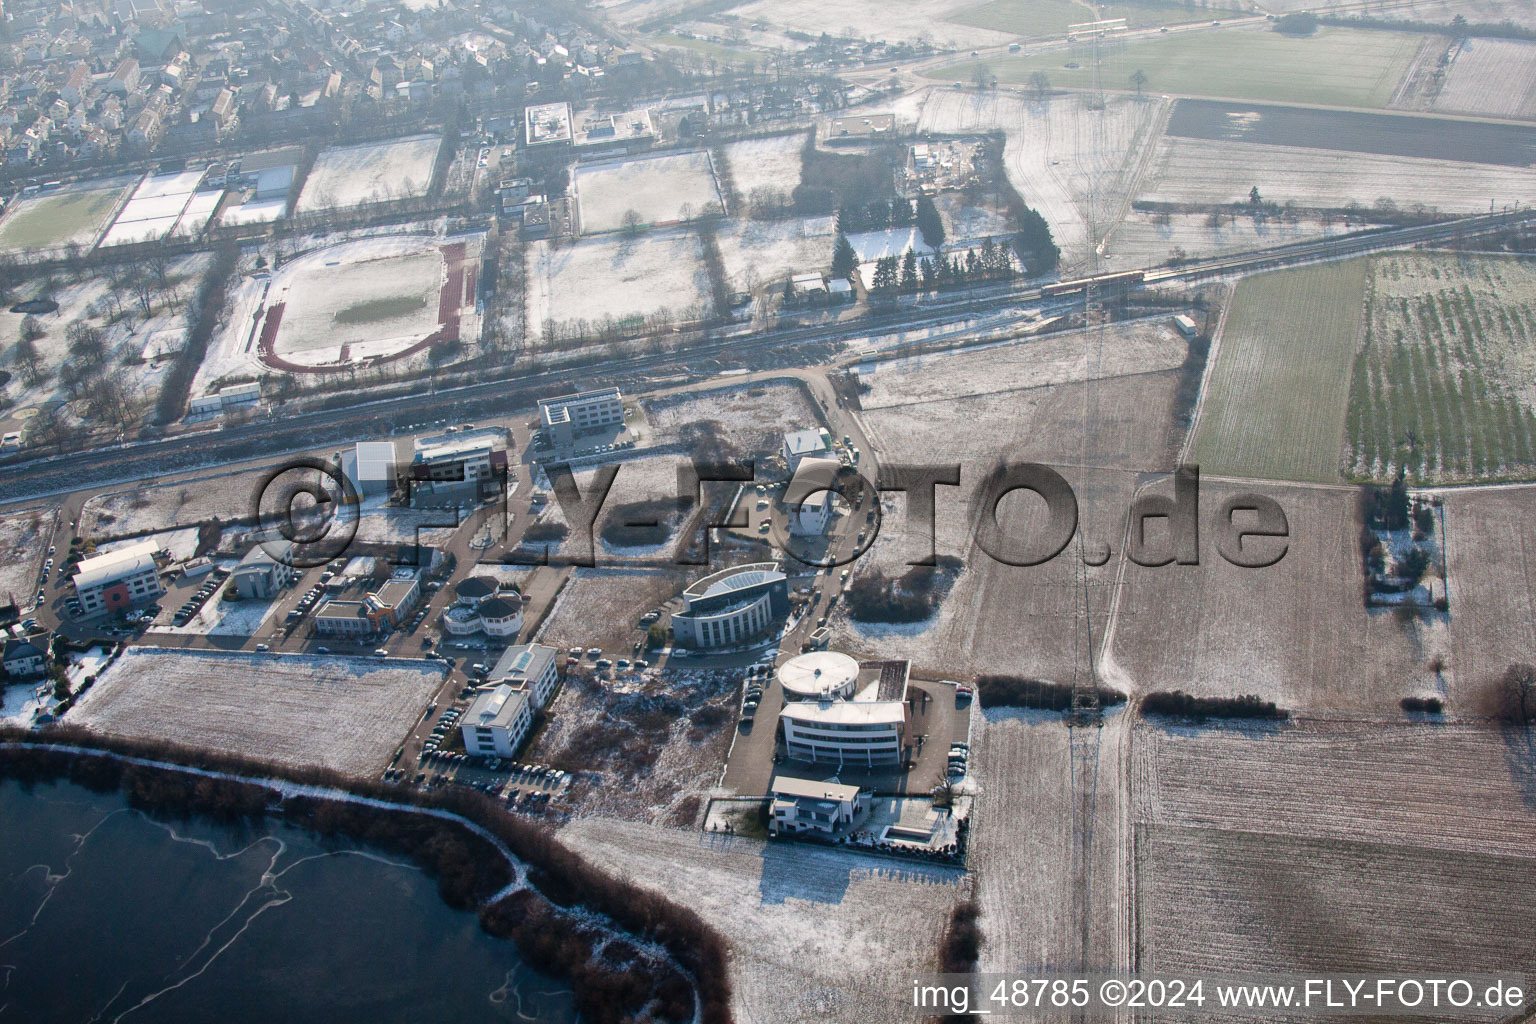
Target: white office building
{"x":566,"y":418}
{"x":530,"y":667}
{"x":809,"y":513}
{"x":844,"y":712}
{"x":497,"y":722}
{"x":119,"y":579}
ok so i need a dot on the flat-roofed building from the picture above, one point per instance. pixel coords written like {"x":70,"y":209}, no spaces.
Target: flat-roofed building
{"x":265,"y":569}
{"x":568,"y":417}
{"x":809,"y":516}
{"x":531,"y":667}
{"x":497,"y":722}
{"x":804,"y":805}
{"x":370,"y":466}
{"x":347,"y":618}
{"x":806,"y":444}
{"x":732,"y":606}
{"x":118,"y":579}
{"x":547,"y":125}
{"x":458,"y":469}
{"x":830,"y":718}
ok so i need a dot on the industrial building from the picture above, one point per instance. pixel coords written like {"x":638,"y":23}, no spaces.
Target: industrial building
{"x":802,"y":805}
{"x":564,"y":419}
{"x":370,"y":466}
{"x":119,"y":579}
{"x":731,"y":606}
{"x":841,"y":711}
{"x":378,"y":612}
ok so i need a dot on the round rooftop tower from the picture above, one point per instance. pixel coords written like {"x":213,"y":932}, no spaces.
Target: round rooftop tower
{"x":819,"y":674}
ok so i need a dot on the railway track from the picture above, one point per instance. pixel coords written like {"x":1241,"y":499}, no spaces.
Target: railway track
{"x":26,"y":480}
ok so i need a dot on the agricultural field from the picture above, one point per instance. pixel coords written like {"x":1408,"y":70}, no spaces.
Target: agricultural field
{"x":1490,"y":545}
{"x":1490,"y":77}
{"x":23,"y":541}
{"x":1442,"y":386}
{"x":144,"y":509}
{"x":1101,"y":434}
{"x":1330,"y":843}
{"x":804,"y":923}
{"x":1035,"y":887}
{"x":55,"y":220}
{"x":1274,"y":403}
{"x":1297,"y":633}
{"x":765,"y":252}
{"x":595,"y":280}
{"x":658,"y":189}
{"x":348,"y":714}
{"x":1335,"y":67}
{"x":1146,"y":238}
{"x":370,"y":172}
{"x":1210,"y":173}
{"x":1076,"y":166}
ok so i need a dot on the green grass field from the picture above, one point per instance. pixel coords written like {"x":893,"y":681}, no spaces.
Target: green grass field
{"x":51,"y":221}
{"x":375,"y":310}
{"x":1275,"y":402}
{"x":1335,"y":67}
{"x":1041,"y":19}
{"x":1437,"y":386}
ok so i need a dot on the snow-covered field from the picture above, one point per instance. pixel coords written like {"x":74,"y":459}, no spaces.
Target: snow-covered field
{"x":1210,"y":172}
{"x":372,"y":171}
{"x":1072,"y":164}
{"x":1141,"y":347}
{"x":328,"y":293}
{"x":1142,"y":239}
{"x":182,"y":544}
{"x":255,"y":211}
{"x":655,"y":187}
{"x":768,"y":163}
{"x":755,"y":418}
{"x":909,"y":21}
{"x":1492,"y":77}
{"x":88,"y":300}
{"x":597,"y":278}
{"x":23,"y":542}
{"x":156,"y":208}
{"x":758,"y":252}
{"x":123,"y":513}
{"x":599,"y":607}
{"x":341,"y":713}
{"x":813,"y":930}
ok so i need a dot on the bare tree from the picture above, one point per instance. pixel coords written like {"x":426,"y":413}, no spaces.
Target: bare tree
{"x":30,"y":362}
{"x":631,"y":222}
{"x":1041,"y":84}
{"x":1517,"y":694}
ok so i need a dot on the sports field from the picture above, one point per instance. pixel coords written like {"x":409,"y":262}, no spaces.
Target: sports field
{"x":1275,"y":401}
{"x":1335,"y":67}
{"x":57,"y":219}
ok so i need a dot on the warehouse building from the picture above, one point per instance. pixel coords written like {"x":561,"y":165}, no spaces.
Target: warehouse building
{"x":841,"y":711}
{"x":119,"y":579}
{"x":731,"y":606}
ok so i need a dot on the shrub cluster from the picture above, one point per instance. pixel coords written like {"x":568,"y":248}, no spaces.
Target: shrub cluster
{"x":1426,"y":705}
{"x":1180,"y":704}
{"x":1019,"y":692}
{"x":911,"y":597}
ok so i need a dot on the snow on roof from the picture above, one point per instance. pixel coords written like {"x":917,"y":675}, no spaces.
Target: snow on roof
{"x":115,"y":564}
{"x":846,"y":712}
{"x":809,"y":675}
{"x":496,"y":708}
{"x":803,"y":442}
{"x":786,"y":786}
